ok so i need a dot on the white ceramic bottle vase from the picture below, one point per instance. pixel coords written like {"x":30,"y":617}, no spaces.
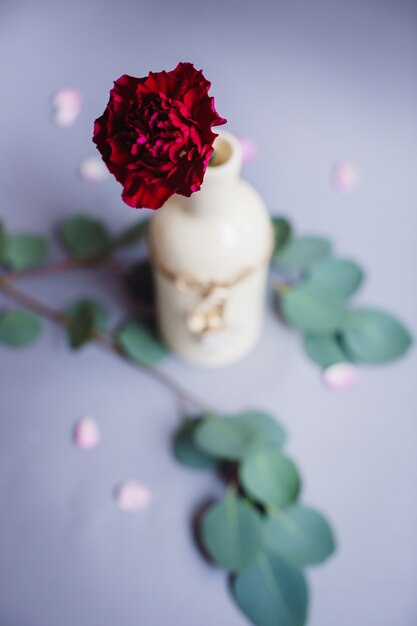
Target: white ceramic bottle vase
{"x":210,"y":254}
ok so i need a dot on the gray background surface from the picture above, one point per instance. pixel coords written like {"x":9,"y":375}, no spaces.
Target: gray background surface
{"x":310,"y":82}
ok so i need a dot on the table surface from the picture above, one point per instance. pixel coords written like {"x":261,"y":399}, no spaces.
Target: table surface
{"x":310,"y":83}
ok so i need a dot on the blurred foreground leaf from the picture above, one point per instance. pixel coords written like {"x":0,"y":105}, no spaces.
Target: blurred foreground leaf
{"x":270,"y":477}
{"x":84,"y":317}
{"x":282,"y":234}
{"x":313,"y":309}
{"x":232,"y":532}
{"x":272,"y":592}
{"x":186,"y":450}
{"x":325,"y":350}
{"x":138,"y":342}
{"x":302,"y":252}
{"x":374,"y":336}
{"x":85,"y":238}
{"x":22,"y":252}
{"x":299,"y":534}
{"x":341,"y":276}
{"x":18,"y":328}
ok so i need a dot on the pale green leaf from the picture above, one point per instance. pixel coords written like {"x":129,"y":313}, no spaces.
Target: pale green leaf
{"x":270,"y":477}
{"x":186,"y":450}
{"x":282,"y":234}
{"x":374,"y":336}
{"x":3,"y":244}
{"x":272,"y":592}
{"x":233,"y":437}
{"x":303,"y":252}
{"x":231,"y":532}
{"x":270,"y":431}
{"x":341,"y":276}
{"x":19,"y":328}
{"x":84,"y":317}
{"x":138,"y":342}
{"x":85,"y":238}
{"x":325,"y":349}
{"x":313,"y":309}
{"x":24,"y":251}
{"x":299,"y":534}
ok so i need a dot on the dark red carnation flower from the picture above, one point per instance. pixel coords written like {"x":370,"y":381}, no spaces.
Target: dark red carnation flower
{"x":155,"y":135}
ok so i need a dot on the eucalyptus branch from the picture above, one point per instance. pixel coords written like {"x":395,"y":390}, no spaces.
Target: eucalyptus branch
{"x":31,"y":303}
{"x":56,"y":316}
{"x":64,"y":266}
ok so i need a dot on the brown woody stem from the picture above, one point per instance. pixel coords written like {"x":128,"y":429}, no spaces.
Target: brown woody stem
{"x":61,"y":267}
{"x":35,"y":305}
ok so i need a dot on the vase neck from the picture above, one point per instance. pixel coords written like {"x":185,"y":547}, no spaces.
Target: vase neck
{"x":220,"y":178}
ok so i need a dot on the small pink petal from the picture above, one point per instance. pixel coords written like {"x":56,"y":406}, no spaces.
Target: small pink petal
{"x":66,"y":103}
{"x":86,"y":434}
{"x":340,"y":376}
{"x":93,"y":170}
{"x":249,"y":149}
{"x":133,"y":496}
{"x":345,"y":177}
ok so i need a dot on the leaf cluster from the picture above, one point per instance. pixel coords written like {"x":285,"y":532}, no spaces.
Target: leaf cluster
{"x":20,"y":252}
{"x":87,"y":239}
{"x":258,"y":532}
{"x":313,"y":294}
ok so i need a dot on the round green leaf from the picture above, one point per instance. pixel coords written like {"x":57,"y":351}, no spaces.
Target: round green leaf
{"x":232,"y":533}
{"x":3,"y":244}
{"x":233,"y":437}
{"x":340,"y":276}
{"x":226,"y":437}
{"x":25,"y":251}
{"x":18,"y":328}
{"x":138,"y":342}
{"x":98,"y":310}
{"x":84,"y":317}
{"x":282,"y":234}
{"x":325,"y":349}
{"x":80,"y":327}
{"x":85,"y":238}
{"x":272,"y":592}
{"x":302,"y":252}
{"x":185,"y":449}
{"x":270,"y":477}
{"x":373,"y":336}
{"x":270,"y":432}
{"x":299,"y":534}
{"x":313,"y":309}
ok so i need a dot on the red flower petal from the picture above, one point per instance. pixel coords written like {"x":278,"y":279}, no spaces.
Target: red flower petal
{"x":137,"y":193}
{"x":155,"y":135}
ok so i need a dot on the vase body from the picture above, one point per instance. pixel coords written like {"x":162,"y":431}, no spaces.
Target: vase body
{"x":210,"y":254}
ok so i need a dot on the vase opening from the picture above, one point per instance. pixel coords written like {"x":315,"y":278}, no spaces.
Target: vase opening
{"x":227,"y":159}
{"x":222,"y":152}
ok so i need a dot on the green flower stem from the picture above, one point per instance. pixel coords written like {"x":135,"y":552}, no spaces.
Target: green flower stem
{"x":44,"y":310}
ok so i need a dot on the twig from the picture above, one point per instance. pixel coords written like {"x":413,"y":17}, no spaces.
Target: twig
{"x":61,"y":267}
{"x":102,"y":340}
{"x":31,"y":303}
